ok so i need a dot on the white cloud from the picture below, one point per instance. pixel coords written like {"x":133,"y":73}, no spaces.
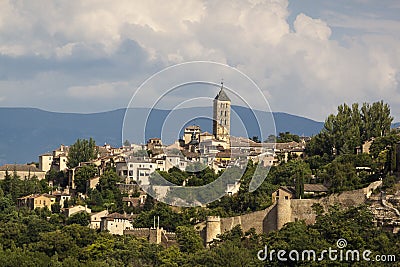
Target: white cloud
{"x":91,"y":49}
{"x":312,"y":28}
{"x":97,"y":91}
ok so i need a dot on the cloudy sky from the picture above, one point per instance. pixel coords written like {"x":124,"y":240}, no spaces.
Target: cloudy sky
{"x":307,"y":56}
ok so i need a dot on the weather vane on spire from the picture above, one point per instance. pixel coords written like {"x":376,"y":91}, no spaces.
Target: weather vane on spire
{"x":222,"y":82}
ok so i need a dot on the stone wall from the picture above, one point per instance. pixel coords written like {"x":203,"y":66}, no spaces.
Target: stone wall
{"x":138,"y":232}
{"x":302,"y":210}
{"x":213,"y":228}
{"x":275,"y":216}
{"x":247,"y":221}
{"x":153,"y":235}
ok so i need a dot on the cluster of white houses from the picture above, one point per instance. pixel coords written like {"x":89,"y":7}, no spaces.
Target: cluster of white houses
{"x":135,"y":163}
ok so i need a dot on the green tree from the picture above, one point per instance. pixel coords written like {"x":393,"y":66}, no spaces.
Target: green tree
{"x":170,"y":257}
{"x":55,"y":242}
{"x":81,"y":218}
{"x":285,"y":137}
{"x":270,"y":139}
{"x":376,"y":120}
{"x":285,"y":174}
{"x":189,"y":241}
{"x":349,"y":128}
{"x":299,"y":185}
{"x":55,"y":208}
{"x":169,"y":219}
{"x":108,"y":181}
{"x":12,"y":185}
{"x":83,"y":175}
{"x":59,"y":178}
{"x":341,"y":176}
{"x":82,"y":150}
{"x":384,"y":153}
{"x":109,"y":191}
{"x":82,"y":235}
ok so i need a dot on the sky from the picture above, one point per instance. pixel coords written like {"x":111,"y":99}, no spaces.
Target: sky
{"x":306,"y":56}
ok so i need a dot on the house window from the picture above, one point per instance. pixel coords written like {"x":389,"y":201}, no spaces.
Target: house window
{"x":286,"y":197}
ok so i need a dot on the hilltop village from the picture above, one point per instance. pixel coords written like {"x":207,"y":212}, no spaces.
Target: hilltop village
{"x":350,"y":166}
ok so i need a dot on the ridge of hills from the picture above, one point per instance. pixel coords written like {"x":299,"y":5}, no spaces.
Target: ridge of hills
{"x":28,"y":132}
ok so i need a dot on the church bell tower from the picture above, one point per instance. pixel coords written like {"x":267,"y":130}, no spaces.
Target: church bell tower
{"x":222,"y":116}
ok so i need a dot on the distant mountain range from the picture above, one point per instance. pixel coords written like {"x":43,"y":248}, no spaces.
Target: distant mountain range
{"x":26,"y":133}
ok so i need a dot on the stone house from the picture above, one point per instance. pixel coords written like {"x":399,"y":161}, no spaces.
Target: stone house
{"x":62,"y":198}
{"x":36,"y":201}
{"x":45,"y":162}
{"x":283,"y":192}
{"x":75,"y":209}
{"x":95,"y":219}
{"x":116,"y":223}
{"x":136,"y":170}
{"x":24,"y":171}
{"x":135,"y":201}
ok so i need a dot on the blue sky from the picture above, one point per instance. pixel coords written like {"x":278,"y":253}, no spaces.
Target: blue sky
{"x":307,"y":56}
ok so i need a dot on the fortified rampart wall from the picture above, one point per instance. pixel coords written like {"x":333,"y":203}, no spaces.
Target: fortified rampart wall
{"x":286,"y":210}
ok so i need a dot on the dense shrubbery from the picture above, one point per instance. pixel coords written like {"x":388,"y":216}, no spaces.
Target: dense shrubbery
{"x":28,"y":239}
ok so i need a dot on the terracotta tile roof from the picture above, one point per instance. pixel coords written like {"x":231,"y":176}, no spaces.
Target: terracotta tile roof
{"x":315,"y":188}
{"x":288,"y":189}
{"x":19,"y":168}
{"x":190,"y":154}
{"x":37,"y":195}
{"x":193,"y":127}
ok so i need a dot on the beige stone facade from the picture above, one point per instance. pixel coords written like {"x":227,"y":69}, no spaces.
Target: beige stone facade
{"x":21,"y":170}
{"x":222,"y":116}
{"x":36,"y":201}
{"x":45,"y":161}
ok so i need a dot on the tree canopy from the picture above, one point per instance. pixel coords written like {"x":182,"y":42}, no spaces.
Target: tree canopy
{"x":350,"y":127}
{"x":82,"y":150}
